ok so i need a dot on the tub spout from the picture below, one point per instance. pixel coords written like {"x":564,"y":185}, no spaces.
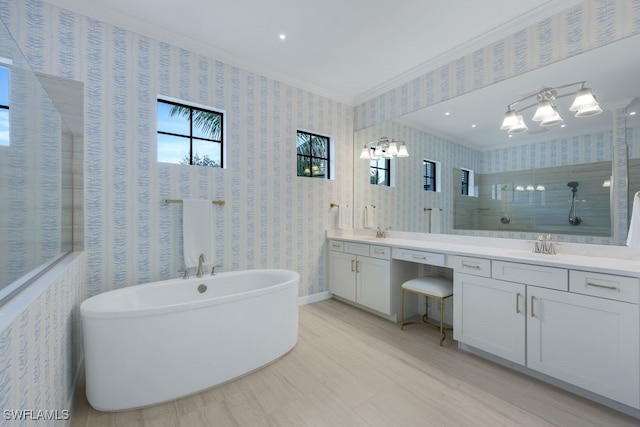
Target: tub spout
{"x":200,"y":262}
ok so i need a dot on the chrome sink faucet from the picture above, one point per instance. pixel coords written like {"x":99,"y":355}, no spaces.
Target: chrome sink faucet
{"x":544,"y":245}
{"x":382,"y":233}
{"x":200,"y":262}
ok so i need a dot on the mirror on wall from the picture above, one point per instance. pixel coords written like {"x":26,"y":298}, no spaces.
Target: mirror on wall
{"x":463,"y":133}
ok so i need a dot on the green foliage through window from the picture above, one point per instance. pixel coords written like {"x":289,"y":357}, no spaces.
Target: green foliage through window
{"x":189,"y":135}
{"x":380,"y":172}
{"x":313,"y":155}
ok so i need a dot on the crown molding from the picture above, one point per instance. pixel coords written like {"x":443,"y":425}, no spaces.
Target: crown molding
{"x":525,"y":20}
{"x":144,"y":28}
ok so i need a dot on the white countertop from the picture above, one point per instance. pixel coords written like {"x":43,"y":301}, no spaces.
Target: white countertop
{"x":607,"y":259}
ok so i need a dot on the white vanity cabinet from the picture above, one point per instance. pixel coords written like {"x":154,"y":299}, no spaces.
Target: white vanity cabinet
{"x":588,"y":341}
{"x":489,"y":314}
{"x":361,"y":273}
{"x":578,"y":327}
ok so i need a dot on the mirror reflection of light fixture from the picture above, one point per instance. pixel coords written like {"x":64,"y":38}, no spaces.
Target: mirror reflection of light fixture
{"x":584,"y":105}
{"x":540,"y":187}
{"x":384,"y":148}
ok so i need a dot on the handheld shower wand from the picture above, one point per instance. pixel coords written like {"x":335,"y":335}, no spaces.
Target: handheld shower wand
{"x":573,"y":218}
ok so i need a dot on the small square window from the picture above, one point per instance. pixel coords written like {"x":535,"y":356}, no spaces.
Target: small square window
{"x":430,"y":175}
{"x":189,"y":135}
{"x":313,"y":155}
{"x":380,"y":172}
{"x":4,"y":106}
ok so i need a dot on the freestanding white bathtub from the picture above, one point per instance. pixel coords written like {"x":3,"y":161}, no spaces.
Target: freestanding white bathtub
{"x":156,"y":342}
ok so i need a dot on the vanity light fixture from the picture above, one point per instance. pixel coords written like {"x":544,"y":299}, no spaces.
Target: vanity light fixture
{"x":584,"y":105}
{"x":384,"y":148}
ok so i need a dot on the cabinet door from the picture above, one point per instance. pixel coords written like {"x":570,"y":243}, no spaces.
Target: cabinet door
{"x":342,"y":273}
{"x":373,"y":284}
{"x":490,"y":315}
{"x":589,"y":342}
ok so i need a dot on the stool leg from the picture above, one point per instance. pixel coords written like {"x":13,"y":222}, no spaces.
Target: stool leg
{"x":425,"y":318}
{"x":402,"y":309}
{"x":441,"y":321}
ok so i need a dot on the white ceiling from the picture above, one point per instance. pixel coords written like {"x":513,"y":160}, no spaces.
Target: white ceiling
{"x":348,"y":50}
{"x":354,"y":50}
{"x":611,"y":72}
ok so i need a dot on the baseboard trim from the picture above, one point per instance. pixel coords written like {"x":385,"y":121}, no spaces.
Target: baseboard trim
{"x":308,"y":299}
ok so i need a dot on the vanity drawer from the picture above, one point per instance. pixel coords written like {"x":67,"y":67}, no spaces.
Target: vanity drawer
{"x":418,"y":256}
{"x":336,"y":245}
{"x":382,"y":252}
{"x":529,"y":274}
{"x":618,"y":288}
{"x":470,"y":265}
{"x":356,"y":248}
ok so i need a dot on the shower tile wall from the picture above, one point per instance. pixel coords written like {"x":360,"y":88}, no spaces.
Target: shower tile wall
{"x":271,"y":219}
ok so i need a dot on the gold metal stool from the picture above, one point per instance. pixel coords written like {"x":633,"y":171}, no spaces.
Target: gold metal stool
{"x":431,"y":287}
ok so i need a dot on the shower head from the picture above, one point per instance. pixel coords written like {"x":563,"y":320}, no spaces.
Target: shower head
{"x":572,"y":184}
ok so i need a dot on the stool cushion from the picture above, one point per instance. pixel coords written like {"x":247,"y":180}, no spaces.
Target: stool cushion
{"x":435,"y":286}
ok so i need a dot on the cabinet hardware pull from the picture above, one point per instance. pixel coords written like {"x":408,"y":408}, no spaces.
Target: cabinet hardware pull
{"x":518,"y":303}
{"x":613,"y":288}
{"x":378,"y":251}
{"x":357,"y":266}
{"x":419,"y":257}
{"x":352,"y":261}
{"x":532,"y":313}
{"x":465,"y":265}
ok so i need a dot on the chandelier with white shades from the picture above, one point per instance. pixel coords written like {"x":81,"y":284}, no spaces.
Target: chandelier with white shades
{"x":584,"y":105}
{"x":384,"y":148}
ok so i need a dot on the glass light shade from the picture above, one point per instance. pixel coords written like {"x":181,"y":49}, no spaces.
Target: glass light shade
{"x":402,"y":152}
{"x":552,"y":119}
{"x":519,"y":126}
{"x":544,"y":111}
{"x":591,"y":111}
{"x":393,"y":149}
{"x":510,"y":119}
{"x":365,"y":153}
{"x":530,"y":187}
{"x":519,"y":187}
{"x":540,"y":187}
{"x":584,"y":100}
{"x":606,"y":183}
{"x":378,"y":152}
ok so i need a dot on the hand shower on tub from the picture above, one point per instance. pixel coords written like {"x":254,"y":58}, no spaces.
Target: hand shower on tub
{"x":573,"y":218}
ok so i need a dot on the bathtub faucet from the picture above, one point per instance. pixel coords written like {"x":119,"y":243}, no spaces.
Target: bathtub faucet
{"x":200,"y":262}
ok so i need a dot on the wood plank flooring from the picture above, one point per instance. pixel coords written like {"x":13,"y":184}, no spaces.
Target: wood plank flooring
{"x":351,"y":368}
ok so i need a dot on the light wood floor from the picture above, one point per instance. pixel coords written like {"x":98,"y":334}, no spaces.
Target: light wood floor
{"x":351,"y":368}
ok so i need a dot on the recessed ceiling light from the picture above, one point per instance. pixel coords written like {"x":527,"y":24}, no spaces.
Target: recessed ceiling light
{"x":283,"y":36}
{"x":473,"y":126}
{"x":447,"y":113}
{"x":632,"y":113}
{"x":563,"y":125}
